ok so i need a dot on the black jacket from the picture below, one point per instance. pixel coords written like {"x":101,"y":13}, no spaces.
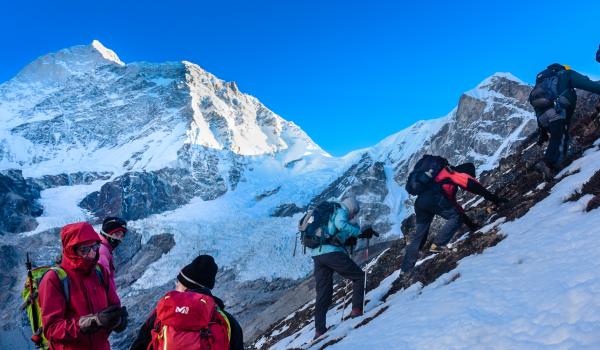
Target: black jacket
{"x":235,"y":343}
{"x":569,"y":80}
{"x":598,"y":55}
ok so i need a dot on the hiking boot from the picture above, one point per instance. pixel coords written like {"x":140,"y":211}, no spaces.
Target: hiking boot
{"x":434,"y":248}
{"x":356,"y":312}
{"x":318,"y":334}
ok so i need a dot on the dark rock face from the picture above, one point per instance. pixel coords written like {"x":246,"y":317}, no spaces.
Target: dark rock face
{"x":131,"y":260}
{"x":18,"y":196}
{"x":18,"y":203}
{"x":284,"y":210}
{"x":137,"y":195}
{"x":267,"y":194}
{"x":129,"y":247}
{"x":79,"y":178}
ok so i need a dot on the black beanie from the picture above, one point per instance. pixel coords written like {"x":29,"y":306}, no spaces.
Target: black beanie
{"x":200,"y":273}
{"x":112,"y":224}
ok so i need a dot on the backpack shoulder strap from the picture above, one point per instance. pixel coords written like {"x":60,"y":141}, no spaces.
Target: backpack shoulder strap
{"x":100,"y":274}
{"x":227,"y":323}
{"x":64,"y":280}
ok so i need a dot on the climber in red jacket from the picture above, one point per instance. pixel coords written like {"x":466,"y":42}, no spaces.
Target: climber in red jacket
{"x":439,"y":198}
{"x":84,"y":316}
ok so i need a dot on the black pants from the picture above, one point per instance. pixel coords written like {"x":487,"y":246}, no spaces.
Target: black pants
{"x":325,"y":265}
{"x":557,"y":146}
{"x":426,"y":207}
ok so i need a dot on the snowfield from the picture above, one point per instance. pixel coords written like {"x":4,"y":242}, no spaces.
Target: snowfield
{"x":536,"y":289}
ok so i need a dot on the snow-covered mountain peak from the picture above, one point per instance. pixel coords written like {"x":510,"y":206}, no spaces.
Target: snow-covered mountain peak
{"x":107,"y":53}
{"x":56,"y":68}
{"x":495,"y":86}
{"x":55,"y":114}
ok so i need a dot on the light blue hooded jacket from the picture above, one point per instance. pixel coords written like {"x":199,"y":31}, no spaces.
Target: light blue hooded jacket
{"x":340,"y":222}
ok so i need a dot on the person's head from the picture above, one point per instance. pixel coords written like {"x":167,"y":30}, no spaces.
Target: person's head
{"x":114,"y":230}
{"x":200,"y":273}
{"x":557,"y":67}
{"x":80,"y":246}
{"x":352,"y":205}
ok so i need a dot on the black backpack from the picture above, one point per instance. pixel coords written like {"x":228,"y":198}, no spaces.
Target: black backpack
{"x":545,"y":92}
{"x":421,"y":179}
{"x":313,"y":226}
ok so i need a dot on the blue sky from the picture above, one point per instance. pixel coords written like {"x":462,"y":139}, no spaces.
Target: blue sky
{"x":349,"y":73}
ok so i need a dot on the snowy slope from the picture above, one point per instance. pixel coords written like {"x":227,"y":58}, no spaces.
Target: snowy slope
{"x":537,"y":289}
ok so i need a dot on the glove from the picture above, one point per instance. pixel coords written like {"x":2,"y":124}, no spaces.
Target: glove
{"x":88,"y":324}
{"x":543,"y":137}
{"x":124,"y":320}
{"x":368,"y":233}
{"x":351,"y":241}
{"x":473,"y":226}
{"x":497,"y":200}
{"x":108,"y":318}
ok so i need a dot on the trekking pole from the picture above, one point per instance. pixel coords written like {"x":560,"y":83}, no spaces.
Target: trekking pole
{"x":366,"y":269}
{"x":344,"y":300}
{"x":35,"y":337}
{"x":295,"y":243}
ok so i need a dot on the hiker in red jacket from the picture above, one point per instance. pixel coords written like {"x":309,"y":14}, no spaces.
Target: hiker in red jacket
{"x":440,"y":199}
{"x":190,"y":317}
{"x":84,"y":318}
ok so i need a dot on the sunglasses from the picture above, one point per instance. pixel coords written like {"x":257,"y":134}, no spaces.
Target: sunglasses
{"x":85,"y":250}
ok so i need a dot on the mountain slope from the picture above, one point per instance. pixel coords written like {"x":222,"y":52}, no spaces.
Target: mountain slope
{"x":525,"y":280}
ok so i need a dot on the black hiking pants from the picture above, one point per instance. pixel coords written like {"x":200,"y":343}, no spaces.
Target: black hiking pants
{"x":557,"y":145}
{"x":325,"y":266}
{"x":427,"y":207}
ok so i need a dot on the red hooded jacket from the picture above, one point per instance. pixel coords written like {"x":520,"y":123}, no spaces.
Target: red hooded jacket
{"x":88,"y":295}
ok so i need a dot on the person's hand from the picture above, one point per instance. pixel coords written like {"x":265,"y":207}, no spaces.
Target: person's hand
{"x":368,"y":233}
{"x":110,"y":317}
{"x":351,"y":241}
{"x":498,"y":200}
{"x":124,"y":320}
{"x":107,"y":318}
{"x":88,"y":324}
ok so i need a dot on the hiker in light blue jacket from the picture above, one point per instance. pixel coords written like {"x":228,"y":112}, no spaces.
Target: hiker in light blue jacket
{"x":340,"y":222}
{"x":333,"y":257}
